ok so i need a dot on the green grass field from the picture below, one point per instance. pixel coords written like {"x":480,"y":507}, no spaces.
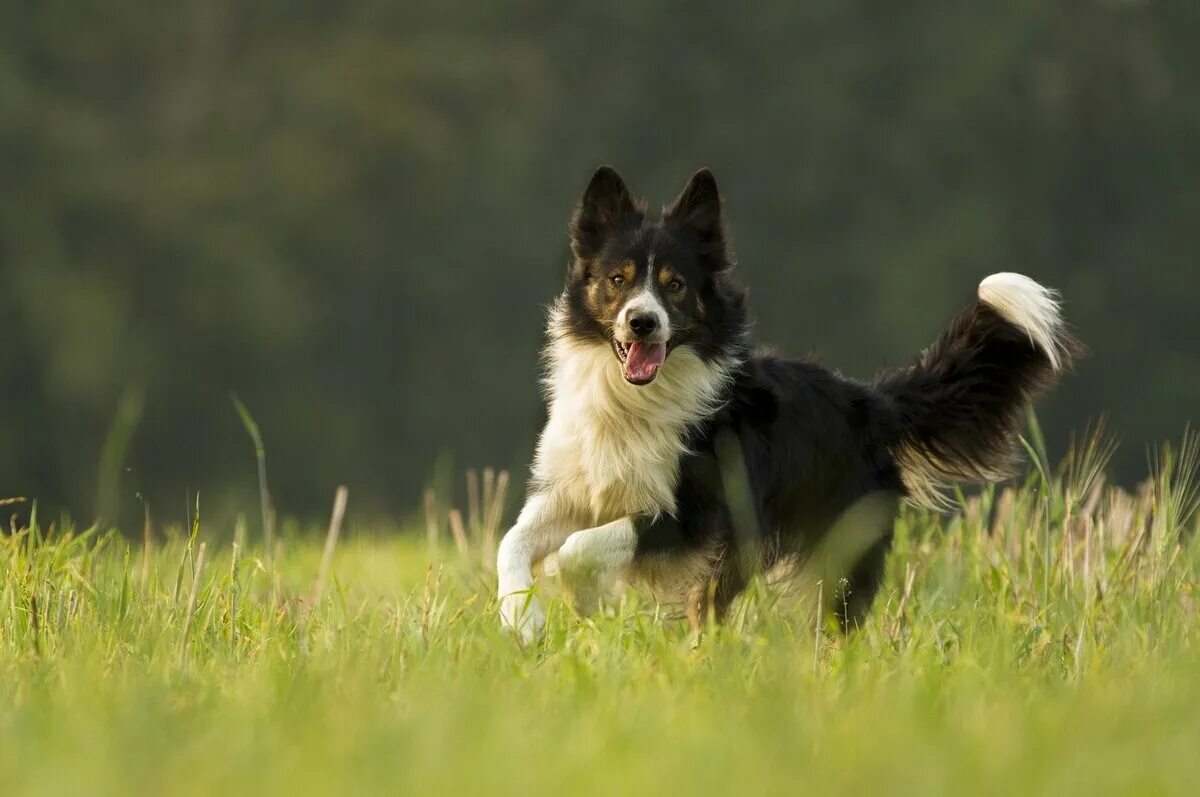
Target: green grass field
{"x":1041,"y":640}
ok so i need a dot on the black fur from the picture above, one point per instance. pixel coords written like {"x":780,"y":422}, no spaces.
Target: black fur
{"x":796,"y":448}
{"x":958,"y":409}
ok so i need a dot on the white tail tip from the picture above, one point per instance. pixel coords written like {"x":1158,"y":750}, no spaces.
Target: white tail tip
{"x":1030,"y":306}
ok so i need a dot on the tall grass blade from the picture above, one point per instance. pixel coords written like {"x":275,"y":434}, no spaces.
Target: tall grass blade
{"x":113,"y":454}
{"x":190,"y":612}
{"x":331,"y":539}
{"x":264,"y":495}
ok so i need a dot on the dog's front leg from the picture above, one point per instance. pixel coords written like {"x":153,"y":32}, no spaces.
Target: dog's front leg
{"x":590,"y":560}
{"x":538,"y":531}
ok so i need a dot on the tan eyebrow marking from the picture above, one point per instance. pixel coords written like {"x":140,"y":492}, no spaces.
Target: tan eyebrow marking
{"x":628,"y":270}
{"x":666,"y":275}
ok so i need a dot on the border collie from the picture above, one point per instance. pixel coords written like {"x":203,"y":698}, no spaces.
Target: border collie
{"x":678,"y":456}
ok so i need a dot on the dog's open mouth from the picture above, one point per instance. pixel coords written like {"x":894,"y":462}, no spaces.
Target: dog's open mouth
{"x":640,"y":361}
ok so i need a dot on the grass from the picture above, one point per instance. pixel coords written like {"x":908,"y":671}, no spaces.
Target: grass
{"x":1041,"y":640}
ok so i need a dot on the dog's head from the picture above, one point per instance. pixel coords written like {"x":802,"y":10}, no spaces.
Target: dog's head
{"x":645,"y":287}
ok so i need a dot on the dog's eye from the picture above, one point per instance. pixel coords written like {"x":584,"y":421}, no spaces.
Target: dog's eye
{"x":674,"y":286}
{"x":617,"y":279}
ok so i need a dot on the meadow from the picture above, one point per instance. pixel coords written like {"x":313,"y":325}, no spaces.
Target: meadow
{"x":1039,"y":639}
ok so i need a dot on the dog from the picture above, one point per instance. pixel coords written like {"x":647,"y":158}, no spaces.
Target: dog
{"x":677,"y":455}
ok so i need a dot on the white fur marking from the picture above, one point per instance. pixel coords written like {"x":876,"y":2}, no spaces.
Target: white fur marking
{"x":1030,"y":306}
{"x":611,"y":449}
{"x":644,"y":301}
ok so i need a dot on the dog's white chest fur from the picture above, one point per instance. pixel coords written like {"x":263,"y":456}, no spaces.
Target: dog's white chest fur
{"x":611,"y":449}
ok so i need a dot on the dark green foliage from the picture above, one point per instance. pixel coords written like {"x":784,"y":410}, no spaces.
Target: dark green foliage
{"x":351,"y":214}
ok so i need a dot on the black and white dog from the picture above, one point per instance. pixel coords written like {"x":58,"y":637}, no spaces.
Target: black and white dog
{"x":676,"y":455}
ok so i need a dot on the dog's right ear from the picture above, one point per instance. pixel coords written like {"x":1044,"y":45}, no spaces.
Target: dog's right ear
{"x":606,"y":205}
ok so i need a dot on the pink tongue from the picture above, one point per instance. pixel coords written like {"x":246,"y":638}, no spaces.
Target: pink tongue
{"x":643,"y":360}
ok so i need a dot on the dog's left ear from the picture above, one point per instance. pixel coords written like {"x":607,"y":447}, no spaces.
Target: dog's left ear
{"x":698,"y":210}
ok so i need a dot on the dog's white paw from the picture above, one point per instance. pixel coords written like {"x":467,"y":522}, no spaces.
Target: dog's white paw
{"x":570,"y":559}
{"x":584,"y":581}
{"x":522,"y":614}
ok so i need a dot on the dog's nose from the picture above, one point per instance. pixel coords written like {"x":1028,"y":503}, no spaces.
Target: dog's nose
{"x":643,"y":324}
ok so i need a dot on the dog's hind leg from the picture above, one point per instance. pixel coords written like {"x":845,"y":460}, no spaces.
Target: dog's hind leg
{"x":858,"y":592}
{"x":711,"y":599}
{"x":590,"y":560}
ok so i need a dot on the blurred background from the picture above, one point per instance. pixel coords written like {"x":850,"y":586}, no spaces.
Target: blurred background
{"x":351,"y":215}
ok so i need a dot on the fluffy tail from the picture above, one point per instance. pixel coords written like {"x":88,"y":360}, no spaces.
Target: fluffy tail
{"x":959,"y":409}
